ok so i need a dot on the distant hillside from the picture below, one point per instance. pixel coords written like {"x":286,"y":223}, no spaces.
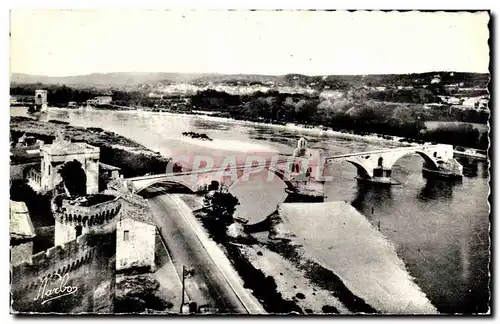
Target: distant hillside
{"x":239,"y":78}
{"x":142,"y":80}
{"x":106,"y":80}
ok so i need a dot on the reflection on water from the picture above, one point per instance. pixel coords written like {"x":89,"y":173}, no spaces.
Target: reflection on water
{"x":261,"y":133}
{"x":474,"y":167}
{"x":374,"y":195}
{"x":202,"y":124}
{"x":485,"y":166}
{"x":471,"y":166}
{"x":436,"y":190}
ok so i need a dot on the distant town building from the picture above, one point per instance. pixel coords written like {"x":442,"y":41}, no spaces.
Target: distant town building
{"x":41,"y":103}
{"x":13,"y":100}
{"x":436,"y":79}
{"x":100,"y":100}
{"x":475,"y":103}
{"x":472,"y":89}
{"x":435,"y":105}
{"x":22,"y":233}
{"x":451,"y":100}
{"x":72,"y":104}
{"x":103,"y":100}
{"x":331,"y":94}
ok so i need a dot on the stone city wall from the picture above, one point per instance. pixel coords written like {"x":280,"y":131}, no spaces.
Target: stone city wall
{"x":87,"y":262}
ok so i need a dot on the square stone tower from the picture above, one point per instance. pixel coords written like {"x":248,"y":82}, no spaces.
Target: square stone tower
{"x":55,"y":155}
{"x":41,"y":103}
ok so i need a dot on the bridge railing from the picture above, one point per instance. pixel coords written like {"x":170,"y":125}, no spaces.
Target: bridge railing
{"x":409,"y":148}
{"x":267,"y":164}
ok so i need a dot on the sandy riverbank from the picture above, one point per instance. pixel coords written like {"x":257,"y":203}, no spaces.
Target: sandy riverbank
{"x":342,"y":239}
{"x":365,"y":267}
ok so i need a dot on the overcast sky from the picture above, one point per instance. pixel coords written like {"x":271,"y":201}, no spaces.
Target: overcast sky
{"x":65,"y":42}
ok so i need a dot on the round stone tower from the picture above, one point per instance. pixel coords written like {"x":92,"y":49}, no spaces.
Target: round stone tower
{"x":87,"y":214}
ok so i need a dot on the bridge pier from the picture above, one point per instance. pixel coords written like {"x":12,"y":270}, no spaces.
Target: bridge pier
{"x":381,"y":176}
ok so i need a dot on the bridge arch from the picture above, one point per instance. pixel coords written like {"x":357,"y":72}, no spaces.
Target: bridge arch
{"x":428,"y":158}
{"x":144,"y":184}
{"x":277,"y":172}
{"x":363,"y":171}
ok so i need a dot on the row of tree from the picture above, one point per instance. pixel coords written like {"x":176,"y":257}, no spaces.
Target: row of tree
{"x":60,"y":95}
{"x":358,"y":116}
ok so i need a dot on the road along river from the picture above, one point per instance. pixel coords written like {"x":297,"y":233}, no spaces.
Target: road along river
{"x":441,"y":231}
{"x":212,"y":282}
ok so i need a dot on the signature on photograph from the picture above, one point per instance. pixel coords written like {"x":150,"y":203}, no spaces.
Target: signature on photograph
{"x":45,"y":294}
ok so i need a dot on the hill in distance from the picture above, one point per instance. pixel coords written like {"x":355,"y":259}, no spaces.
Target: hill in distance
{"x":133,"y":80}
{"x":118,"y":79}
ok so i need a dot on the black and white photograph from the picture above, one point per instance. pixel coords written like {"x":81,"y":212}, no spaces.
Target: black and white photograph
{"x":249,"y":162}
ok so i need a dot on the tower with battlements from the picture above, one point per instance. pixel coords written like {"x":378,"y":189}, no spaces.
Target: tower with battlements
{"x":94,"y":214}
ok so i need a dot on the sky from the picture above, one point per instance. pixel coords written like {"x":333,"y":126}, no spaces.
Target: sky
{"x":76,"y":42}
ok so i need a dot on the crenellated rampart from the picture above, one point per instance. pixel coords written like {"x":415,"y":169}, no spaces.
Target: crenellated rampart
{"x":86,"y":216}
{"x":59,"y":259}
{"x":87,"y":261}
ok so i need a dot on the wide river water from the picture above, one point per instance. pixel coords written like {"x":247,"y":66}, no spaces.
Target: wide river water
{"x":440,"y":230}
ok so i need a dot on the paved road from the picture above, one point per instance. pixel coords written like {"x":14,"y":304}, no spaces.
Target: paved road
{"x":207,"y":285}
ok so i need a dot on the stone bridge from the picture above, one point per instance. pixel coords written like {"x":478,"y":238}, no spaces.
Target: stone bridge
{"x":199,"y":180}
{"x":376,"y":166}
{"x":373,"y":166}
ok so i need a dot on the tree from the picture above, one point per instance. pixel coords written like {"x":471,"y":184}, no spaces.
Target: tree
{"x":218,"y":211}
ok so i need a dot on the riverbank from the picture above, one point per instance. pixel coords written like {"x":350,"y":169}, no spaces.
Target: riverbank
{"x":132,"y":158}
{"x":282,"y":290}
{"x":389,"y":140}
{"x":335,"y":273}
{"x":343,"y":241}
{"x":305,"y":129}
{"x":358,"y":276}
{"x":386,"y":140}
{"x":471,"y":153}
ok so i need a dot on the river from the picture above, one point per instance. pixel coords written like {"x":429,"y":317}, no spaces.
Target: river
{"x":440,"y":230}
